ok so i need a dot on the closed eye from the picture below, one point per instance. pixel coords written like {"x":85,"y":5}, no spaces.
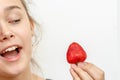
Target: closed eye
{"x":14,"y":21}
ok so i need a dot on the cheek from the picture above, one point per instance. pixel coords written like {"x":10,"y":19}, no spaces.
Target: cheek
{"x":25,"y":30}
{"x":24,"y":33}
{"x":26,"y":39}
{"x":27,"y":36}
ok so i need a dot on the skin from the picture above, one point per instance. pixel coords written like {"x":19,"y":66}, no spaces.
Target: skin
{"x":16,"y":28}
{"x":86,"y":71}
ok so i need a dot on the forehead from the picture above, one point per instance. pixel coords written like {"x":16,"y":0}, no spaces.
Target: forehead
{"x":7,"y":3}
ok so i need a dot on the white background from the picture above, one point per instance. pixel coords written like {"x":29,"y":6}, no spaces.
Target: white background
{"x":92,"y":23}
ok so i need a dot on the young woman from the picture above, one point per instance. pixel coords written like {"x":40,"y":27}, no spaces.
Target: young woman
{"x":16,"y":32}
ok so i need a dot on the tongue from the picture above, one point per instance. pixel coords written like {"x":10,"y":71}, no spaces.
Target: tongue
{"x":10,"y":54}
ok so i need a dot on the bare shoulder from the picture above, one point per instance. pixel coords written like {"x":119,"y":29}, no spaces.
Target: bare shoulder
{"x":36,"y":77}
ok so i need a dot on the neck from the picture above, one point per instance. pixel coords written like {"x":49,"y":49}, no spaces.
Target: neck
{"x":25,"y":75}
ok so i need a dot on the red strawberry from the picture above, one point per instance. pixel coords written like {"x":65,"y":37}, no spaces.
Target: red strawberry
{"x":75,"y":53}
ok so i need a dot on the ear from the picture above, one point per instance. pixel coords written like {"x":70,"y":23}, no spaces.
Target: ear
{"x":32,"y":26}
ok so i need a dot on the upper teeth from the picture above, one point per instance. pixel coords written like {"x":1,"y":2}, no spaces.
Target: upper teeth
{"x":10,"y":49}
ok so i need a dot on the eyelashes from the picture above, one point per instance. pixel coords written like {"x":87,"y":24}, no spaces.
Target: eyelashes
{"x":14,"y":21}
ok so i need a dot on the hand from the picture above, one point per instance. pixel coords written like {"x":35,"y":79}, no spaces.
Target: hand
{"x":86,"y":71}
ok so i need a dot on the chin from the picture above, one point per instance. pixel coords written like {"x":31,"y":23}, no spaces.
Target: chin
{"x":14,"y":71}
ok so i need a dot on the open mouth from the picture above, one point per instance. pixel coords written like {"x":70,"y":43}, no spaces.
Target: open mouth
{"x":11,"y":53}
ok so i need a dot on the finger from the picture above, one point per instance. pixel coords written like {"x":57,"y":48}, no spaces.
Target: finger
{"x":74,"y":75}
{"x":92,"y":70}
{"x":81,"y":73}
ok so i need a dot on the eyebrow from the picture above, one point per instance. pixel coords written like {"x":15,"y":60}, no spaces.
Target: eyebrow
{"x":12,"y":7}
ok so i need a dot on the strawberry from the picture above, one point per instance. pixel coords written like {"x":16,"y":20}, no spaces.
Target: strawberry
{"x":75,"y":53}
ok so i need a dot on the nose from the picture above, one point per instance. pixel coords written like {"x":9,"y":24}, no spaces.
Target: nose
{"x":5,"y":34}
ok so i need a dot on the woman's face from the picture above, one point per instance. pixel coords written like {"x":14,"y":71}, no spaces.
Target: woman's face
{"x":15,"y":38}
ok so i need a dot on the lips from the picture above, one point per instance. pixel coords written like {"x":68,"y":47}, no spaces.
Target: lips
{"x":11,"y":53}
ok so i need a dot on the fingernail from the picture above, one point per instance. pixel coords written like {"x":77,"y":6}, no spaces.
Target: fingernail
{"x":81,"y":64}
{"x":73,"y":66}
